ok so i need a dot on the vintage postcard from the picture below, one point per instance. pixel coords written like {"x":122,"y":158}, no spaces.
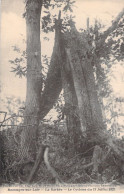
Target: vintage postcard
{"x":62,"y":96}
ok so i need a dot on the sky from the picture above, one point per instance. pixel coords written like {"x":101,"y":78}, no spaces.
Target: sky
{"x":13,"y":30}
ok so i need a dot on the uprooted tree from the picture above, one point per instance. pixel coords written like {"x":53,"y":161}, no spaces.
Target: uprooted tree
{"x":73,"y":69}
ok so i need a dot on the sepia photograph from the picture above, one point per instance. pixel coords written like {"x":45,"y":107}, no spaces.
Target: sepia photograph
{"x":61,"y":96}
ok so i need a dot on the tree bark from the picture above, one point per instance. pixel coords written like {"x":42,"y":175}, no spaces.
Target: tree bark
{"x":34,"y":80}
{"x":71,"y":109}
{"x":53,"y":84}
{"x":82,"y":71}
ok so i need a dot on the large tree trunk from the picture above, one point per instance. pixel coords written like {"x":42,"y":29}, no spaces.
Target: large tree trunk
{"x":80,"y":60}
{"x":34,"y":80}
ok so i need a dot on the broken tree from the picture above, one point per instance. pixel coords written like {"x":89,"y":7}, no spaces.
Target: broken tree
{"x":80,"y":89}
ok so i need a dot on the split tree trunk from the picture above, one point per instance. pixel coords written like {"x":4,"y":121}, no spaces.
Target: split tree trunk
{"x":34,"y":80}
{"x":91,"y":121}
{"x":80,"y":90}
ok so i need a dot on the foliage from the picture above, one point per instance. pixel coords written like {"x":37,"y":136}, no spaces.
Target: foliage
{"x":117,"y":37}
{"x":59,"y":106}
{"x":12,"y":105}
{"x":106,"y":57}
{"x":18,"y":63}
{"x":114,"y":110}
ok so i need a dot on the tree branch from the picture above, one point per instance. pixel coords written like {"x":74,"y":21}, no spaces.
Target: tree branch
{"x":39,"y":159}
{"x":111,"y":28}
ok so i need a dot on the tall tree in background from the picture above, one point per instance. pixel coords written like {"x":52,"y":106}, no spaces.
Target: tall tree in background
{"x":34,"y":79}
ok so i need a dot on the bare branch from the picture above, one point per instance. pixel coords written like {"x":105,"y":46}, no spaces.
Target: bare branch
{"x":111,"y":28}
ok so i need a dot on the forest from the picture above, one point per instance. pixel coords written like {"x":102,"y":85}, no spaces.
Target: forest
{"x":85,"y":144}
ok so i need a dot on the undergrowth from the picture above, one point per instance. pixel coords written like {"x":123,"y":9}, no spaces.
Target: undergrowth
{"x":68,"y":164}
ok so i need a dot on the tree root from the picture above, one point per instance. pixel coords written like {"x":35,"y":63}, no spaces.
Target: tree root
{"x":43,"y":156}
{"x":50,"y":168}
{"x":39,"y":159}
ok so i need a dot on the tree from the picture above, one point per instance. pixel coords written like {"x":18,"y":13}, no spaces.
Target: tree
{"x":34,"y":80}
